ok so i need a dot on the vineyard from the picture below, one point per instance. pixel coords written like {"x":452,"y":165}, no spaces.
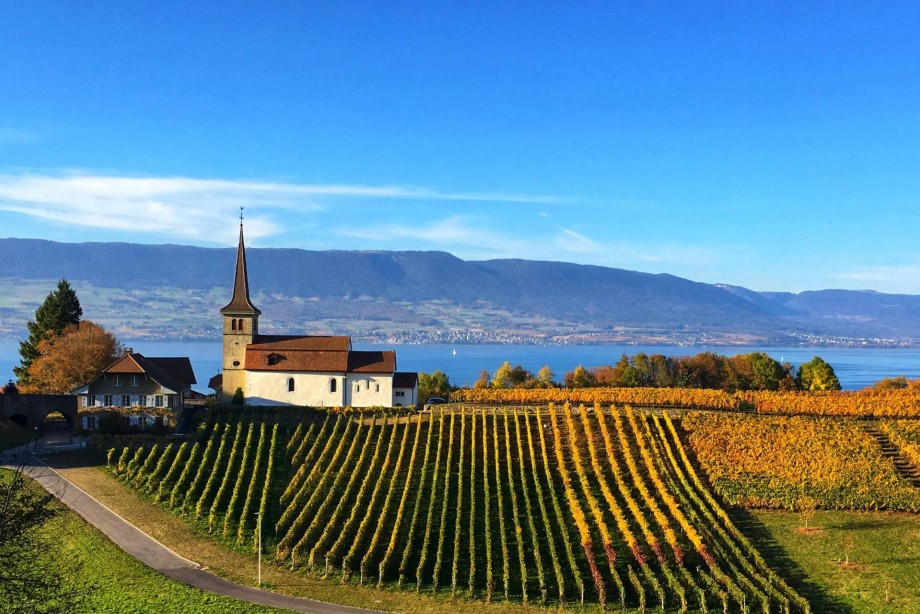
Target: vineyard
{"x":555,"y":505}
{"x":898,"y":403}
{"x":772,"y":462}
{"x":906,"y":435}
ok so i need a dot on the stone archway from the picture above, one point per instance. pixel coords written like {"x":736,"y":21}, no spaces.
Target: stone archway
{"x":20,"y":419}
{"x":34,"y":408}
{"x":57,"y":421}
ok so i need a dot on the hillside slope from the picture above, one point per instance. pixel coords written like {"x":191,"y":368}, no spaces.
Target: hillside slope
{"x":396,"y":292}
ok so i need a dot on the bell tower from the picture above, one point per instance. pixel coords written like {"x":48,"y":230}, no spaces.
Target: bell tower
{"x":241,"y":327}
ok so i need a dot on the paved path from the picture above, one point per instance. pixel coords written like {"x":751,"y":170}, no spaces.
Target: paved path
{"x":157,"y":556}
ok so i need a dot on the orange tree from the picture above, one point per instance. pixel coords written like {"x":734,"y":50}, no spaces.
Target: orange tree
{"x":71,"y":359}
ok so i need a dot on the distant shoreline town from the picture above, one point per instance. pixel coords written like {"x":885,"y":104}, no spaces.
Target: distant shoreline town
{"x":569,"y":339}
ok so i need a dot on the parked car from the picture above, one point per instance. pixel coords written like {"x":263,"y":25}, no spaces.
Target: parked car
{"x":433,"y":401}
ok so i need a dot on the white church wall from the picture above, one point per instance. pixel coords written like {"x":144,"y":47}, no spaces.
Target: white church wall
{"x":311,"y":389}
{"x":369,"y":389}
{"x":405,"y":397}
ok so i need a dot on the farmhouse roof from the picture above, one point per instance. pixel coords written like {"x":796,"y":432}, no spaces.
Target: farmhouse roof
{"x":178,"y":368}
{"x":175,"y":373}
{"x":240,"y":303}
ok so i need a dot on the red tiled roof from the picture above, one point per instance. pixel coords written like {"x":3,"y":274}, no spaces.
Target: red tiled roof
{"x":257,"y":359}
{"x":372,"y":362}
{"x":299,"y":354}
{"x":125,"y":364}
{"x":326,"y":343}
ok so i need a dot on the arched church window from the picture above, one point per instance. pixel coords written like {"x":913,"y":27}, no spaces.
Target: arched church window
{"x":240,"y":324}
{"x":233,"y":324}
{"x":332,"y":384}
{"x":290,"y":384}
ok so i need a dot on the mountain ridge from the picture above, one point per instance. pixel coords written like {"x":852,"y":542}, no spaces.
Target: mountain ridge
{"x":433,"y":290}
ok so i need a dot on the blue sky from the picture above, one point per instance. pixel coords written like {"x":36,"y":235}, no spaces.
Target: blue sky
{"x":770,"y":145}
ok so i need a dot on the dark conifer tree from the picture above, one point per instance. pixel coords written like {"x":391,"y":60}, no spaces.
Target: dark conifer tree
{"x":60,"y":309}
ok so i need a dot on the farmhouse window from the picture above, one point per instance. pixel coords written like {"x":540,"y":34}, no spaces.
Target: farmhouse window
{"x":135,"y":380}
{"x":142,"y":400}
{"x":107,"y":400}
{"x":126,"y":400}
{"x":158,"y":400}
{"x":400,"y":393}
{"x":117,"y":381}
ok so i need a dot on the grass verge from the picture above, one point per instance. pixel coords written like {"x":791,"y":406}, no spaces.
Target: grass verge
{"x":111,"y":581}
{"x":883,"y":571}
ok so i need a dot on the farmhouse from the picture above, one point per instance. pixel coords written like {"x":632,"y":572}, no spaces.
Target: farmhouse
{"x":137,"y":382}
{"x":311,"y":370}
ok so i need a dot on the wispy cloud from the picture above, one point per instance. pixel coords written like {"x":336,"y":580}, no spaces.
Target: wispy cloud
{"x":571,"y":241}
{"x":476,"y":238}
{"x":464,"y":236}
{"x":904,"y":278}
{"x":192,"y":208}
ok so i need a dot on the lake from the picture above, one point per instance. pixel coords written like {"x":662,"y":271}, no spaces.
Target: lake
{"x":855,"y":367}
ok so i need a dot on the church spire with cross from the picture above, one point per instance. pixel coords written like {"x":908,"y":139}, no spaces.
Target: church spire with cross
{"x":240,"y":303}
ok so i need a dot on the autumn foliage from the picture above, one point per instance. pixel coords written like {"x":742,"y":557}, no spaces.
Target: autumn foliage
{"x":905,"y":434}
{"x":764,"y":461}
{"x":71,"y":359}
{"x":893,"y":403}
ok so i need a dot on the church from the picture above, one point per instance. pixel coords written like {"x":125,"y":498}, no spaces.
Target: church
{"x":311,"y":370}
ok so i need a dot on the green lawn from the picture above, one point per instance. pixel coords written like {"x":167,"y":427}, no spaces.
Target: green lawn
{"x":112,"y":581}
{"x":884,"y":555}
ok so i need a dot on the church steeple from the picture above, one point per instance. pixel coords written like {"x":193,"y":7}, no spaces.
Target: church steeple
{"x":241,"y":328}
{"x":240,"y":303}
